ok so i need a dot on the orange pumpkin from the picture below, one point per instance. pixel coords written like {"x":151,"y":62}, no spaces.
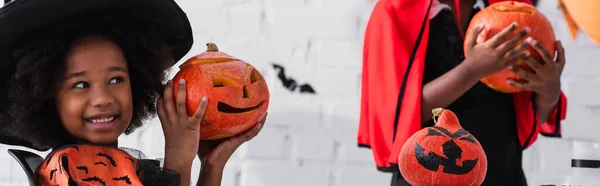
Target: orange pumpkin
{"x":445,"y":154}
{"x":88,"y":165}
{"x":237,"y":93}
{"x":500,"y":15}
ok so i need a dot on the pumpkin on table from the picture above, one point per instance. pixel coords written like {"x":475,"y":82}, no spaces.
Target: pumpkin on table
{"x":237,"y":93}
{"x":500,"y":15}
{"x":443,"y":155}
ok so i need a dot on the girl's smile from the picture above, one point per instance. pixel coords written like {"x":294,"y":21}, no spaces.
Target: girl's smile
{"x":102,"y":122}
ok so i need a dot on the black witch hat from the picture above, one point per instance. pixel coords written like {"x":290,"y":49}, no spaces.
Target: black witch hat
{"x":19,"y":18}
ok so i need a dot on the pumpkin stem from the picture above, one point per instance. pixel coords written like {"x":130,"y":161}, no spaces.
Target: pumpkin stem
{"x":212,"y":47}
{"x":436,"y":112}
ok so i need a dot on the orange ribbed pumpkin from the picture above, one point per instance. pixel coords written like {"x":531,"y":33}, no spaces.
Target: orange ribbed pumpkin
{"x":443,"y":155}
{"x":237,"y":93}
{"x":500,"y":15}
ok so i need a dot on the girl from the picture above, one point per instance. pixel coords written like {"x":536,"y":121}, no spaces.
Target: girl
{"x":414,"y":62}
{"x":76,"y":79}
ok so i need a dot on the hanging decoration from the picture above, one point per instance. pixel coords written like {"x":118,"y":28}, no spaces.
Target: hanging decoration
{"x":584,"y":15}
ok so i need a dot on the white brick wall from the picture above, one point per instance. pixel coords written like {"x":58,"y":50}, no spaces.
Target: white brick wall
{"x":310,"y":139}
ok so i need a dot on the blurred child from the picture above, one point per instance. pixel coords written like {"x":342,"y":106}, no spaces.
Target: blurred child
{"x":413,"y":62}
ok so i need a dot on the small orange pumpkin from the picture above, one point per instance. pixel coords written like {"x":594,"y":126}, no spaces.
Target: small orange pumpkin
{"x":500,"y":15}
{"x":237,"y":93}
{"x":445,"y":154}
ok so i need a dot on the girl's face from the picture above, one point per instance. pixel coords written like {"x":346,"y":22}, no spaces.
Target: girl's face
{"x":94,"y":99}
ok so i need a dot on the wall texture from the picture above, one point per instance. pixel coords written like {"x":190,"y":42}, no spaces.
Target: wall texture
{"x":309,"y":139}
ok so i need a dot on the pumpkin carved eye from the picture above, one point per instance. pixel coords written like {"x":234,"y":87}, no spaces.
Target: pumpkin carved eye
{"x":221,"y":82}
{"x":254,"y":76}
{"x":502,"y":8}
{"x":461,"y":134}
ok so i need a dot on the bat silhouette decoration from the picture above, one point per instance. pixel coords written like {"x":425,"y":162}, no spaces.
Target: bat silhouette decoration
{"x":451,"y":150}
{"x":290,"y":83}
{"x":534,"y":2}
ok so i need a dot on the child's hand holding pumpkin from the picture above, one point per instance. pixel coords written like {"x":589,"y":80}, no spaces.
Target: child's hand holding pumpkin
{"x":495,"y":54}
{"x":182,"y":132}
{"x":545,"y":78}
{"x":218,"y":152}
{"x":214,"y":154}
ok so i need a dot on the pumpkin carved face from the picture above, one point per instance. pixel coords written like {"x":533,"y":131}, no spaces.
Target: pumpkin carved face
{"x":237,"y":93}
{"x":445,"y":154}
{"x":88,"y":165}
{"x":500,"y":15}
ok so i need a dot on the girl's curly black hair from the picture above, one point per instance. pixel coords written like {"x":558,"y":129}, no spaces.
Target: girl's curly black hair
{"x":30,"y":92}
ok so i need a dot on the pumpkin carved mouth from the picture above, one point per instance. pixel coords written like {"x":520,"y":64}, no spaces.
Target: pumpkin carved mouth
{"x":225,"y":108}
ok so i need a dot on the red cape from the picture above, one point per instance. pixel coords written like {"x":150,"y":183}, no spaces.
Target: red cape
{"x":393,"y":62}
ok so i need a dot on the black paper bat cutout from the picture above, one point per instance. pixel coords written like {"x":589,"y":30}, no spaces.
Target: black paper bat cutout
{"x":452,"y":151}
{"x":534,"y":2}
{"x":290,"y":83}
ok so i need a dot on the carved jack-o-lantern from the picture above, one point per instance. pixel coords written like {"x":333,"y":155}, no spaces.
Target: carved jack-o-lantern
{"x":237,"y":93}
{"x":445,"y":154}
{"x":500,"y":15}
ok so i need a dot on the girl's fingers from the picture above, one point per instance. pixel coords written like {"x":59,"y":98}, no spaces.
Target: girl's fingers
{"x":535,"y":65}
{"x":181,"y":97}
{"x":472,"y":39}
{"x":528,"y":76}
{"x":261,"y":125}
{"x":506,"y":46}
{"x":162,"y":113}
{"x":561,"y":54}
{"x":200,"y":112}
{"x":517,"y":51}
{"x":543,"y":52}
{"x":500,"y":37}
{"x":168,"y":103}
{"x":252,"y":132}
{"x":516,"y":55}
{"x":525,"y":86}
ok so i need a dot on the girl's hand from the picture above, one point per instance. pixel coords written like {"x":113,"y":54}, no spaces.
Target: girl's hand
{"x":216,"y":153}
{"x":545,"y":78}
{"x":495,"y":54}
{"x":182,"y":132}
